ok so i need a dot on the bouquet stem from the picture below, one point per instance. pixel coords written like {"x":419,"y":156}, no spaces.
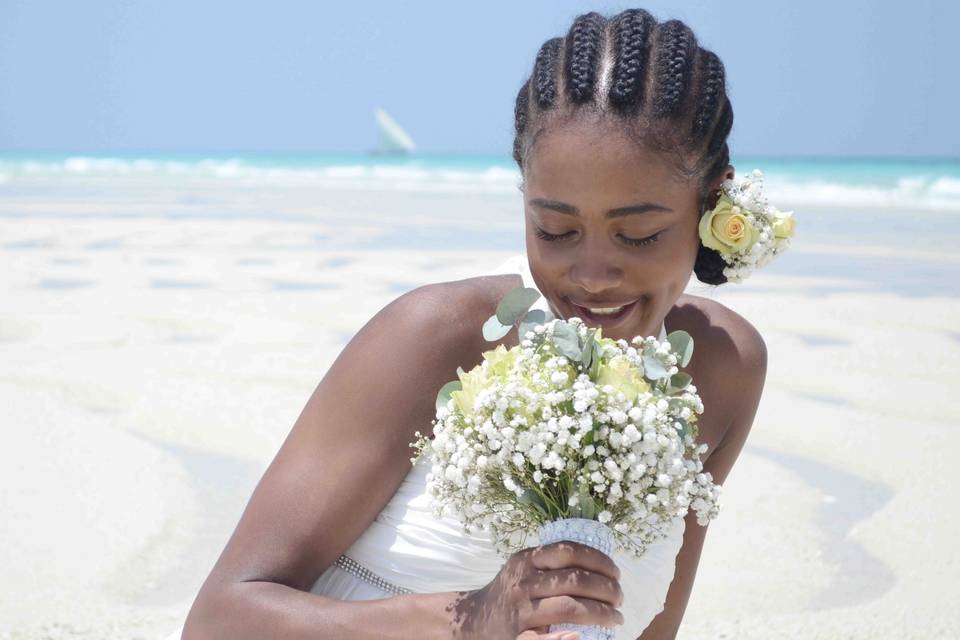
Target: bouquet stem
{"x":592,"y":533}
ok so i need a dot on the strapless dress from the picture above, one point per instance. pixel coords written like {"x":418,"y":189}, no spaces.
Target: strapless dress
{"x":408,"y":549}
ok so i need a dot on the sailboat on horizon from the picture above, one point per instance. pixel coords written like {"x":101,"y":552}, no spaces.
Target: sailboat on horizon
{"x":392,"y":139}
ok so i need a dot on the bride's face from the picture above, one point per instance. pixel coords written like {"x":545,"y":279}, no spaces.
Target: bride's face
{"x":622,"y":228}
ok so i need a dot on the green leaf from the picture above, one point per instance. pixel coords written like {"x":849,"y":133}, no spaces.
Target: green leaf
{"x":532,"y":319}
{"x":586,"y":354}
{"x":530,"y":497}
{"x":681,"y":343}
{"x":653,"y":368}
{"x":444,"y":394}
{"x":588,"y":438}
{"x":515,"y":303}
{"x":494,"y":330}
{"x":588,"y":508}
{"x":596,"y":361}
{"x":680,"y":381}
{"x":567,"y":341}
{"x":684,"y":429}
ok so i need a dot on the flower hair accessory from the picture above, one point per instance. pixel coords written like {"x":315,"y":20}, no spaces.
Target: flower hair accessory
{"x":746,"y":230}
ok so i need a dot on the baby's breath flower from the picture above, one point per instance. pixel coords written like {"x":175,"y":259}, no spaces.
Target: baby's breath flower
{"x":541,"y":426}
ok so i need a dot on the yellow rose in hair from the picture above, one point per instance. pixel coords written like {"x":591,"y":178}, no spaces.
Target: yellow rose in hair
{"x":726,"y":228}
{"x":784,"y":225}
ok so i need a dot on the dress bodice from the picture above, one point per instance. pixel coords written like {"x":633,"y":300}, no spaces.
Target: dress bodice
{"x":407,"y":546}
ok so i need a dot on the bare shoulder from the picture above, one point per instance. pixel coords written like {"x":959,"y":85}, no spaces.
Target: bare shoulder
{"x":720,"y":334}
{"x":729,"y":367}
{"x":468,"y":303}
{"x":349,"y":450}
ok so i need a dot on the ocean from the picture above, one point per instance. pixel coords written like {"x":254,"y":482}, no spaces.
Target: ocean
{"x":877,"y":220}
{"x":916,"y":184}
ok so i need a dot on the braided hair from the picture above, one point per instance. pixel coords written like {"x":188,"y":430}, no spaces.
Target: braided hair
{"x":669,"y":93}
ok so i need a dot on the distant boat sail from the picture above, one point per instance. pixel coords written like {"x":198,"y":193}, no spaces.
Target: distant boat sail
{"x":391,"y":136}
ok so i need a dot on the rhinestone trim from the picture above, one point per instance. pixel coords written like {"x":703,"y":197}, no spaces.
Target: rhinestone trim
{"x":356,"y":569}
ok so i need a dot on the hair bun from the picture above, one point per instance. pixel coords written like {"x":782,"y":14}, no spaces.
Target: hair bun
{"x":709,"y":266}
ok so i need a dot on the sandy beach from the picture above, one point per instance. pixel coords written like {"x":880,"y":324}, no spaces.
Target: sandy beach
{"x":159,"y":336}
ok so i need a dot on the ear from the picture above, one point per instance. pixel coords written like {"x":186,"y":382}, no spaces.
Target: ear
{"x":713,"y":192}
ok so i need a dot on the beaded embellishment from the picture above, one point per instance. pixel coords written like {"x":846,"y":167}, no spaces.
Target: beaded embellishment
{"x":354,"y":568}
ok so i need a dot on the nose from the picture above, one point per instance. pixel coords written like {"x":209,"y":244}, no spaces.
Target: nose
{"x":595,"y":271}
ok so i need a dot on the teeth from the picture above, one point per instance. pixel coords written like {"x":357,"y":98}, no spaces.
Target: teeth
{"x":606,"y":310}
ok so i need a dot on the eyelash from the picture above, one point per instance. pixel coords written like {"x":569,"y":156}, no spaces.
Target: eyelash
{"x":550,"y":237}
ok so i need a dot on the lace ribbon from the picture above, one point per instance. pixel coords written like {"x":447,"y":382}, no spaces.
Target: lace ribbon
{"x":354,"y":568}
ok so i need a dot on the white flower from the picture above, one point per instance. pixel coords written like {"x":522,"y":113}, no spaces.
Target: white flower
{"x":527,"y":428}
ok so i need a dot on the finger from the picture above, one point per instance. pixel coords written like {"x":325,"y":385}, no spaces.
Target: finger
{"x":573,"y":609}
{"x":575,"y":582}
{"x":563,"y":554}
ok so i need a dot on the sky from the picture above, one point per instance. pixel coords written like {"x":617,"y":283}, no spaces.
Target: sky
{"x":811,"y":78}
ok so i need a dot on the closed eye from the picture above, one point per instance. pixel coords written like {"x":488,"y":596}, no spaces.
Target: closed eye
{"x":636,"y":242}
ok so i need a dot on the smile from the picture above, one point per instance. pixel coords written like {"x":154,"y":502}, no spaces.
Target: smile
{"x":607,"y":315}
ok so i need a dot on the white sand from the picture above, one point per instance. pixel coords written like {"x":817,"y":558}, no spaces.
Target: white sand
{"x":150,"y":368}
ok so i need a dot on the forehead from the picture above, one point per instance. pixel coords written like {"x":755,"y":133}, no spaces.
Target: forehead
{"x":594,"y":160}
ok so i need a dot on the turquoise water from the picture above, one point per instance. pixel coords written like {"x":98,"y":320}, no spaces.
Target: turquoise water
{"x":917,"y":184}
{"x":868,"y":220}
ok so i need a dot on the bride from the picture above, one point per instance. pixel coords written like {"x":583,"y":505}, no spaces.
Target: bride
{"x":621,"y":135}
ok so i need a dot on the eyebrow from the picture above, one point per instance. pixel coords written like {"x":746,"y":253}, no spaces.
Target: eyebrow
{"x":619,"y":212}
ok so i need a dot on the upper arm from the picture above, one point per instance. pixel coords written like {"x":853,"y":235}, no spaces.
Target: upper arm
{"x":348,"y":451}
{"x":747,"y":365}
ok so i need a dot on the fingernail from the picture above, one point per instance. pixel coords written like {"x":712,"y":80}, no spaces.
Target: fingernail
{"x":570,"y":636}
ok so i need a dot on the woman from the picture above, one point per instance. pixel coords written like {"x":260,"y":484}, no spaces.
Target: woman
{"x":621,"y":141}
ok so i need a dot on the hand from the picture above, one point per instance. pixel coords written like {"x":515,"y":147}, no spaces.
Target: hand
{"x":539,"y":586}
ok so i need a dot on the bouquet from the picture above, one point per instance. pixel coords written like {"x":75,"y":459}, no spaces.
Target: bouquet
{"x":569,"y":435}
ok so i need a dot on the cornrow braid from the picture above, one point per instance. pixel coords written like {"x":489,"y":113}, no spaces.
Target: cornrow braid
{"x":545,"y":73}
{"x":584,"y":46}
{"x":711,"y":90}
{"x":631,"y":49}
{"x":668,"y":92}
{"x":676,"y":48}
{"x":520,"y":110}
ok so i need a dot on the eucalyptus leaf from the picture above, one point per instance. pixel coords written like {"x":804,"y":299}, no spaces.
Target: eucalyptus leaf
{"x":567,"y":341}
{"x":680,"y":380}
{"x":564,"y":330}
{"x":595,"y":362}
{"x":515,"y":303}
{"x":653,"y":368}
{"x":443,"y":396}
{"x":685,"y":427}
{"x":682,"y":344}
{"x":532,"y":319}
{"x":494,"y":330}
{"x":586,"y":354}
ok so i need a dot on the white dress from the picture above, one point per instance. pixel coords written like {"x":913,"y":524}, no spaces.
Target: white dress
{"x":407,"y":549}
